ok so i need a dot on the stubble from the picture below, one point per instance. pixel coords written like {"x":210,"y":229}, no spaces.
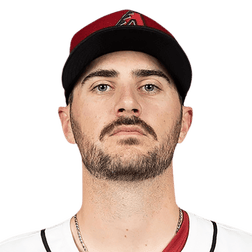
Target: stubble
{"x":138,"y":167}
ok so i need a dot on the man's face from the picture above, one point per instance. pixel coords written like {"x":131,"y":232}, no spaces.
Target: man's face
{"x":126,"y":117}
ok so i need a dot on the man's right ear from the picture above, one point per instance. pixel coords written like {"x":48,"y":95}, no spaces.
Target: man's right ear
{"x":64,"y":115}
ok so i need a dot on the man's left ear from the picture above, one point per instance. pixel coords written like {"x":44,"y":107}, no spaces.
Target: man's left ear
{"x":186,"y":122}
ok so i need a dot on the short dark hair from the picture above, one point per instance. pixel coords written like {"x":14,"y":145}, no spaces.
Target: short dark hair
{"x":70,"y":98}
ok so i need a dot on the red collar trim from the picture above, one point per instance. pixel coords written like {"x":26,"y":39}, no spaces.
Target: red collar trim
{"x":179,"y":240}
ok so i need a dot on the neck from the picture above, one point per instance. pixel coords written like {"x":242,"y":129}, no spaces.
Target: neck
{"x":136,"y":216}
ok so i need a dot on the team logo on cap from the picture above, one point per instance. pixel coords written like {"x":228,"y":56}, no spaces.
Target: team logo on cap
{"x":131,"y":18}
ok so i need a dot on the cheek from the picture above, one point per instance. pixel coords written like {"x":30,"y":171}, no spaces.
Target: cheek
{"x":86,"y":118}
{"x":161,"y":116}
{"x":155,"y":116}
{"x":92,"y":117}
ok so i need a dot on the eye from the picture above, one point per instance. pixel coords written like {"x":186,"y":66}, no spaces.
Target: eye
{"x":102,"y":87}
{"x":150,"y":88}
{"x":147,"y":88}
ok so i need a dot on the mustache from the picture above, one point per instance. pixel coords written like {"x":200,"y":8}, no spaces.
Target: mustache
{"x":134,"y":120}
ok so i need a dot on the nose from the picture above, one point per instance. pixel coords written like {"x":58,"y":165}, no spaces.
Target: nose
{"x":127,"y":104}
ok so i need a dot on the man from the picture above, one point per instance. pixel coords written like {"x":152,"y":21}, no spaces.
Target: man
{"x":125,"y":83}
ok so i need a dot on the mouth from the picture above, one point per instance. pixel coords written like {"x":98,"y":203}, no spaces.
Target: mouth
{"x":128,"y":130}
{"x":127,"y":133}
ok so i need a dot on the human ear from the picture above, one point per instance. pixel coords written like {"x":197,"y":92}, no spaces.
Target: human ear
{"x":187,"y":115}
{"x":64,"y":115}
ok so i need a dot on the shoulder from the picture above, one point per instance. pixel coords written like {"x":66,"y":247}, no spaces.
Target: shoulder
{"x":58,"y":236}
{"x":201,"y":235}
{"x":233,"y":239}
{"x":26,"y":242}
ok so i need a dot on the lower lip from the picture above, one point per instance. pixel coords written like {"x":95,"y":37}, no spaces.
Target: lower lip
{"x":121,"y":133}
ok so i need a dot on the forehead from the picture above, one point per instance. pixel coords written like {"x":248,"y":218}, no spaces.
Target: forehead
{"x":124,"y":64}
{"x":125,"y":59}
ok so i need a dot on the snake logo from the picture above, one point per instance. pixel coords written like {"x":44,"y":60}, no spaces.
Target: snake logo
{"x":131,"y":18}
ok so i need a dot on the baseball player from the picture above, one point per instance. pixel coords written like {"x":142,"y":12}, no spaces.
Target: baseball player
{"x":125,"y":82}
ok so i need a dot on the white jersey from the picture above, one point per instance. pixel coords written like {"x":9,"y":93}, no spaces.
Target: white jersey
{"x":204,"y":236}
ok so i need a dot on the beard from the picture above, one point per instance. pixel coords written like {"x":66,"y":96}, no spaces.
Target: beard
{"x":137,"y":167}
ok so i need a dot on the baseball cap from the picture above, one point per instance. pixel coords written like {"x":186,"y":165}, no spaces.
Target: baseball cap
{"x":121,"y":31}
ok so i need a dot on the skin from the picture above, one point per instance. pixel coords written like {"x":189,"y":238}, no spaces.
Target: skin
{"x":121,"y":215}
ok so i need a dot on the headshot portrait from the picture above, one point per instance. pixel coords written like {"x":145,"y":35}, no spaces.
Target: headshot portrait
{"x":125,"y":127}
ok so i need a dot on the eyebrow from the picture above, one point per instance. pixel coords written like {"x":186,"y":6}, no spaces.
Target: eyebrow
{"x":147,"y":73}
{"x":101,"y":73}
{"x":137,"y":73}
